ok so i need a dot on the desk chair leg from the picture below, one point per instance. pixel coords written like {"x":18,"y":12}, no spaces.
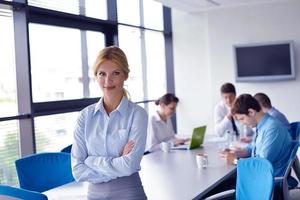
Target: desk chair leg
{"x":296,"y":167}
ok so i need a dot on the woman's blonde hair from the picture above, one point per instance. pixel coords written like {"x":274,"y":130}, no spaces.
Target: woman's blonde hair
{"x":115,"y":55}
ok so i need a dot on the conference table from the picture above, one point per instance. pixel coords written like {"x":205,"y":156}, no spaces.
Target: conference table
{"x":174,"y":175}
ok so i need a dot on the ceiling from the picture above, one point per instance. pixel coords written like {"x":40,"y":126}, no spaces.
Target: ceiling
{"x":203,"y":5}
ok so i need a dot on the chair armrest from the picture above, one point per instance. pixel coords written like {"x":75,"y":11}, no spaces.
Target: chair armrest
{"x":278,"y":179}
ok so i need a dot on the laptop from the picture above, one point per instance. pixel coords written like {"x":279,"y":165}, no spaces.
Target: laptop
{"x":196,"y":140}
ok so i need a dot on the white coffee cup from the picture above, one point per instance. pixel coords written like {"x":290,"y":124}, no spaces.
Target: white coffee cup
{"x":202,"y":160}
{"x":166,"y":147}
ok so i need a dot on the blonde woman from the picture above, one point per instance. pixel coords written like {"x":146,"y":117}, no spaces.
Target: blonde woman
{"x":110,"y":136}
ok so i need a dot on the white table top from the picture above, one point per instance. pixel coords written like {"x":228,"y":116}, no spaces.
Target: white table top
{"x":173,"y":175}
{"x":70,"y":191}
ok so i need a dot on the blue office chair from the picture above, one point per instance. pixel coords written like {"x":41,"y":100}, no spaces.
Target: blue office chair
{"x":286,"y":182}
{"x":255,"y":179}
{"x":295,"y":130}
{"x":44,"y":171}
{"x":21,"y":193}
{"x":67,"y":149}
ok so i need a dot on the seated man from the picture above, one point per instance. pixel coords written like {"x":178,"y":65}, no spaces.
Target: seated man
{"x":272,"y":139}
{"x":223,"y":118}
{"x":266,"y":106}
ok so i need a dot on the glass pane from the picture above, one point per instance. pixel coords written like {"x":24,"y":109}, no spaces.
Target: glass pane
{"x":152,"y":108}
{"x":55,"y":63}
{"x":8,"y":98}
{"x":69,"y":6}
{"x":154,"y":21}
{"x":95,"y":42}
{"x":96,"y":9}
{"x":129,"y":12}
{"x":130,"y":43}
{"x":54,"y":132}
{"x":90,"y":8}
{"x":156,"y":64}
{"x":9,"y":152}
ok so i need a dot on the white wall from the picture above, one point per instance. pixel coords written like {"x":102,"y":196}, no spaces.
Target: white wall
{"x":203,"y":57}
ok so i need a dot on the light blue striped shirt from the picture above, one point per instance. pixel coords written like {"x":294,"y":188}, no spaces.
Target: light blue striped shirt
{"x":99,"y":140}
{"x":272,"y":142}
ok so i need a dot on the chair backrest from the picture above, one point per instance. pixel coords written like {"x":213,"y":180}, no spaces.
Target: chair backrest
{"x":293,"y":154}
{"x":44,"y":171}
{"x":67,"y":149}
{"x":21,"y":193}
{"x":295,"y":130}
{"x":255,"y":179}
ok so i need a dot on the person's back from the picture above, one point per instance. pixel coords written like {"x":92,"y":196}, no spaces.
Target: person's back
{"x":280,"y":116}
{"x":266,"y":105}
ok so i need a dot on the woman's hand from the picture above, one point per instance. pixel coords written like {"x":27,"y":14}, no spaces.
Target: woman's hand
{"x":128,"y":147}
{"x":179,"y":141}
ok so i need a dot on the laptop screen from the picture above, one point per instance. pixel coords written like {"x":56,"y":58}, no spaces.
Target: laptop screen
{"x":197,"y":137}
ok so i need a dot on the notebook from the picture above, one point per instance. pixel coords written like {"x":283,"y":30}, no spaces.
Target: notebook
{"x":196,"y":140}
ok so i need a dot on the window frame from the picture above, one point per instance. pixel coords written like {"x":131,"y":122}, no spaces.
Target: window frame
{"x":24,"y":14}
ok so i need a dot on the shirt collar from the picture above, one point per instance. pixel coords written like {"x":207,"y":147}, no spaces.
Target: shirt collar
{"x":157,"y":117}
{"x":262,"y":121}
{"x":271,"y":110}
{"x":122,"y":107}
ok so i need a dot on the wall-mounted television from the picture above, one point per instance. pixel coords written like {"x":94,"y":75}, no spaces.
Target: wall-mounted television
{"x":270,"y":61}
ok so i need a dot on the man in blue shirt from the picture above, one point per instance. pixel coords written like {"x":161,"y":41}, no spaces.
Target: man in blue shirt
{"x":271,"y":141}
{"x":272,"y":138}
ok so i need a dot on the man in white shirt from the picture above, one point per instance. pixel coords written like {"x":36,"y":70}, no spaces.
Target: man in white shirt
{"x":223,"y":119}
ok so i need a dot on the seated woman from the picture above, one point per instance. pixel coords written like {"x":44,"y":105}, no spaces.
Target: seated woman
{"x":160,"y":128}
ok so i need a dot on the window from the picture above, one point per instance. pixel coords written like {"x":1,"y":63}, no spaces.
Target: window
{"x":9,"y":151}
{"x":8,"y":98}
{"x":96,"y":9}
{"x":151,"y":20}
{"x":55,"y":63}
{"x":90,"y":8}
{"x":70,"y":6}
{"x":95,"y":42}
{"x":9,"y":134}
{"x":144,"y":48}
{"x":130,"y":43}
{"x":156,"y":64}
{"x":129,"y":12}
{"x":54,"y":132}
{"x":57,"y":81}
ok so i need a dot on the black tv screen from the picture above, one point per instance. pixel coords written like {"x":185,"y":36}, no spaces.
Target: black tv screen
{"x":264,"y":62}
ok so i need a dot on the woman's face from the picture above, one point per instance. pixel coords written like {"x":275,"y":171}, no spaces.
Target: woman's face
{"x":111,"y":79}
{"x":169,"y":109}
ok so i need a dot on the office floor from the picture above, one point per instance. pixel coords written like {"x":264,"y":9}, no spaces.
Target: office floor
{"x":295,"y":194}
